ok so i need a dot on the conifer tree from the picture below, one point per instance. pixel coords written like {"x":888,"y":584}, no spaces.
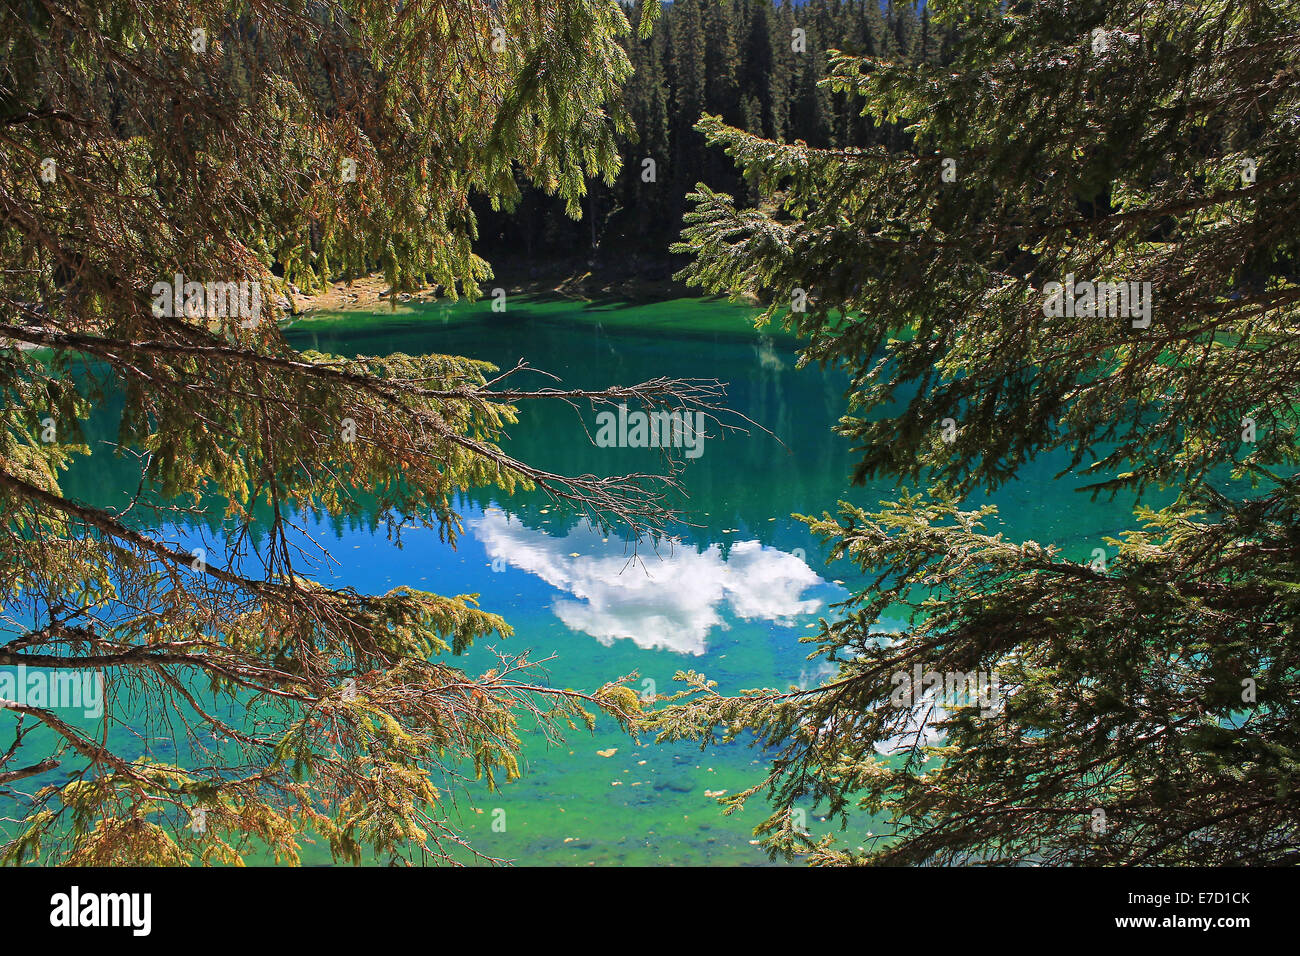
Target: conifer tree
{"x":734,"y":59}
{"x":192,"y":142}
{"x":1147,"y":695}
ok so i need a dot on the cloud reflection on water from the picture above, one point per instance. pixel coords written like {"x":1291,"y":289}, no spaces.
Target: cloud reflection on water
{"x":672,"y":599}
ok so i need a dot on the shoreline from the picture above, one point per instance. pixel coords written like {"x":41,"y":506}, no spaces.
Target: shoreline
{"x":578,"y":283}
{"x":370,"y":292}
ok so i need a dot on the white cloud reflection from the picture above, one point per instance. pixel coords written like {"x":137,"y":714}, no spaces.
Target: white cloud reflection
{"x":670,"y":600}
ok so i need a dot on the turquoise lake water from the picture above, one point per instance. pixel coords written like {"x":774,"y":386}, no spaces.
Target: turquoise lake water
{"x":731,"y":597}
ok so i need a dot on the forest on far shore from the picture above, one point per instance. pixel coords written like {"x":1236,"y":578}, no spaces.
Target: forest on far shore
{"x":738,"y":59}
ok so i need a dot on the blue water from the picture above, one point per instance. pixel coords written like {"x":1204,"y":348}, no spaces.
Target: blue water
{"x":729,"y":594}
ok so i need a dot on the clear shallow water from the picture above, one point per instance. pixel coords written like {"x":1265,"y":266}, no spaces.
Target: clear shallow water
{"x":731,"y":597}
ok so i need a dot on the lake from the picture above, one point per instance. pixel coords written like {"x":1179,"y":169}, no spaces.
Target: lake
{"x":730,"y":596}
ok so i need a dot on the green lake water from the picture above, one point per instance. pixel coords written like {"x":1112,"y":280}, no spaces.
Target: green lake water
{"x":731,"y":598}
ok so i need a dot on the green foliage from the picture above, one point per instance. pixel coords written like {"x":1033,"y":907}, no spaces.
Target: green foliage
{"x":228,"y":156}
{"x":1158,"y":694}
{"x":729,"y":57}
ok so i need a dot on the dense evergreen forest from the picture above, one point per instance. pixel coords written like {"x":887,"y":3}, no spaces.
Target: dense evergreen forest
{"x":742,"y":60}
